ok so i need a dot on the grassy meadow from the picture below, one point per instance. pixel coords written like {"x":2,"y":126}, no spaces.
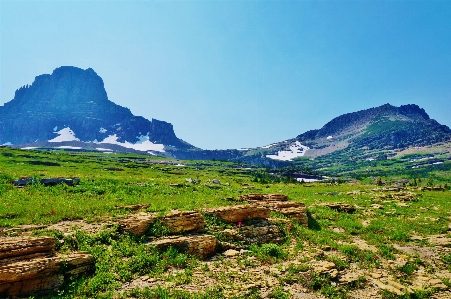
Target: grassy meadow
{"x":111,"y":182}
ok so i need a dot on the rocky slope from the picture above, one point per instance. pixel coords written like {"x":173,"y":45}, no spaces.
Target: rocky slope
{"x":385,"y":128}
{"x":71,"y":105}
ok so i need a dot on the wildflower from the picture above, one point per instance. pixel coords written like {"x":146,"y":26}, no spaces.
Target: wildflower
{"x":52,"y":212}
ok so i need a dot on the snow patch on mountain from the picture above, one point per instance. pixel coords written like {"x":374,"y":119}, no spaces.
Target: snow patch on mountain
{"x":69,"y":147}
{"x":144,"y":144}
{"x":296,"y":150}
{"x":65,"y":134}
{"x":269,"y":145}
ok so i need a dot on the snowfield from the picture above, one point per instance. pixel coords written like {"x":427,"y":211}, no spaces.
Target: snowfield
{"x":69,"y":147}
{"x":65,"y":134}
{"x":144,"y":144}
{"x":296,"y":150}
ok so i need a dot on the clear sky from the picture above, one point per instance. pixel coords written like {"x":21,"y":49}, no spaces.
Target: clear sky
{"x":235,"y":74}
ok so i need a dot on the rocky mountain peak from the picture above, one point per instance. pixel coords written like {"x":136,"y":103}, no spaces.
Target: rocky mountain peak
{"x":75,"y":99}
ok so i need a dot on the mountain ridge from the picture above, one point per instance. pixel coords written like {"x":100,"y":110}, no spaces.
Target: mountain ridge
{"x":69,"y":108}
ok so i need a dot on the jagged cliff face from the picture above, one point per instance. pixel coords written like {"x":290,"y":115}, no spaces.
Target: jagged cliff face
{"x":72,"y":103}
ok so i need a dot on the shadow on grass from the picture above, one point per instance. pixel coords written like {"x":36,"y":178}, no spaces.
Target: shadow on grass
{"x":312,"y":223}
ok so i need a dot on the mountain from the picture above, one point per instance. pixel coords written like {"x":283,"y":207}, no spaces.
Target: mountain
{"x":364,"y":134}
{"x":71,"y":107}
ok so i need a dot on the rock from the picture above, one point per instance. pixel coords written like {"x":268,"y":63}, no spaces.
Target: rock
{"x":377,"y":206}
{"x":176,"y":185}
{"x":20,"y":246}
{"x":183,"y":221}
{"x":56,"y":181}
{"x":235,"y":214}
{"x":200,"y":246}
{"x":113,"y":169}
{"x":134,"y":207}
{"x":216,"y":181}
{"x":376,"y":275}
{"x":231,"y":252}
{"x":340,"y":207}
{"x":138,"y":224}
{"x":294,"y":210}
{"x":440,"y":240}
{"x":388,"y":288}
{"x":176,"y":222}
{"x":29,"y":265}
{"x":192,"y":181}
{"x":21,"y":229}
{"x":266,"y":197}
{"x":322,"y":266}
{"x":260,"y":232}
{"x":24,"y":181}
{"x":76,"y":263}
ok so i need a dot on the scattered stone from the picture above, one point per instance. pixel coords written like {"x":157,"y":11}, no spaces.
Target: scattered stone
{"x":113,"y":169}
{"x":176,"y":185}
{"x":216,"y":181}
{"x":366,"y":223}
{"x":134,"y":207}
{"x":231,"y":252}
{"x":322,"y":266}
{"x":350,"y":277}
{"x":376,"y":275}
{"x":21,"y":229}
{"x":200,"y":246}
{"x":340,"y":207}
{"x":192,"y":181}
{"x":388,"y":288}
{"x":261,"y":197}
{"x":440,"y":240}
{"x":377,"y":206}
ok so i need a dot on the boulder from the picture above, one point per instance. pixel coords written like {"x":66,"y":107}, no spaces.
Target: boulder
{"x":30,"y":265}
{"x":183,"y":221}
{"x":200,"y":246}
{"x":294,"y":210}
{"x":235,"y":214}
{"x":138,"y":224}
{"x":176,"y":222}
{"x":259,"y":232}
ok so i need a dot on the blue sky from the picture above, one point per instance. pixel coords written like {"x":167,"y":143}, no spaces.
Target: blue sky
{"x":234,"y":74}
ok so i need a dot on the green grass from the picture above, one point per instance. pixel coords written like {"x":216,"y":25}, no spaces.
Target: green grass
{"x":120,"y":258}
